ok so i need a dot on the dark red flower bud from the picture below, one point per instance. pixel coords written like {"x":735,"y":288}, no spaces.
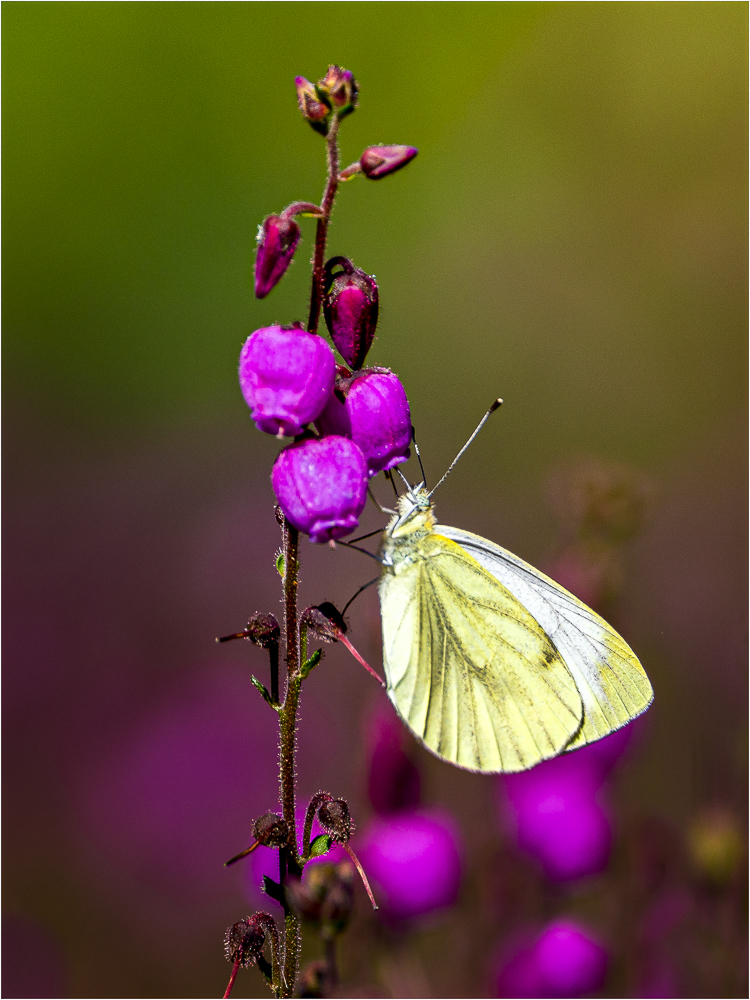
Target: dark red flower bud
{"x":277,"y":240}
{"x":350,"y":307}
{"x":271,"y":830}
{"x":335,"y":819}
{"x":379,"y":161}
{"x":263,"y":630}
{"x":243,"y":941}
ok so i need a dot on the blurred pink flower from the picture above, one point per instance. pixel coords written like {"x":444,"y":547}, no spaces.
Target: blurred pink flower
{"x":564,"y":960}
{"x":413,"y":860}
{"x":557,"y":813}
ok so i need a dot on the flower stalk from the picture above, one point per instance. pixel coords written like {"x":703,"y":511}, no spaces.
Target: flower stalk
{"x":287,"y":376}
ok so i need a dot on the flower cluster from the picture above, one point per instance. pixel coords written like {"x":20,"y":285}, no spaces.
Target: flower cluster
{"x":348,"y":422}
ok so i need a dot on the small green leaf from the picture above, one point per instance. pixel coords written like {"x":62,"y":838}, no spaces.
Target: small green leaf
{"x":280,"y":564}
{"x":321,"y":845}
{"x":310,"y":664}
{"x":266,"y":693}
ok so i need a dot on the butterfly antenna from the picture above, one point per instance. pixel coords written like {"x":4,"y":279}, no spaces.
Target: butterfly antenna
{"x":496,"y":405}
{"x":419,"y":457}
{"x":389,"y":477}
{"x":406,"y":481}
{"x":351,"y":599}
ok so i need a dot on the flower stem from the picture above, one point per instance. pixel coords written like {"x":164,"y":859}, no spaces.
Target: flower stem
{"x":232,"y":978}
{"x":321,"y":232}
{"x":288,"y":860}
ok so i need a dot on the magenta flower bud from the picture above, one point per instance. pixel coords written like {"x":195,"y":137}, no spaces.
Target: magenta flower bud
{"x":277,"y":240}
{"x":379,"y":161}
{"x":286,"y":375}
{"x":321,"y":485}
{"x":339,"y":87}
{"x":371,"y":408}
{"x":413,"y":860}
{"x":313,"y":108}
{"x":350,"y":307}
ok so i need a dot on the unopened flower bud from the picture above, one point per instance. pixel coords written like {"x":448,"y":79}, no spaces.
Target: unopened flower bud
{"x":321,"y":485}
{"x":340,"y":88}
{"x":271,"y":830}
{"x":263,"y":630}
{"x":335,"y":819}
{"x":243,"y":942}
{"x":324,"y":621}
{"x":286,"y":376}
{"x":379,"y":161}
{"x":311,"y":104}
{"x":371,"y":408}
{"x":350,"y":307}
{"x":277,"y":240}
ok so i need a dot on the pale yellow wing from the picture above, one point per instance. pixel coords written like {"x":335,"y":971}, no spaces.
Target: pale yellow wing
{"x":469,"y":670}
{"x":613,"y":685}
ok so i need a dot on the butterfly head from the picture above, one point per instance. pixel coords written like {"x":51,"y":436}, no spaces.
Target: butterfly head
{"x":414,"y":514}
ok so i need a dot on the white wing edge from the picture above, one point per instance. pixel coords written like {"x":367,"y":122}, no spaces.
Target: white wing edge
{"x":586,"y":643}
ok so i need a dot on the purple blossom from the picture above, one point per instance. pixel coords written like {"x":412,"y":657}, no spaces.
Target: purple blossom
{"x":321,"y":485}
{"x":565,"y":960}
{"x":286,"y":375}
{"x":371,"y":408}
{"x":277,"y":240}
{"x":413,"y":860}
{"x":350,"y":307}
{"x":379,"y":161}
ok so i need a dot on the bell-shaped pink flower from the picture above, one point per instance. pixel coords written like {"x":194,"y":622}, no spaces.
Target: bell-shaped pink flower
{"x":321,"y":486}
{"x":286,"y":375}
{"x":371,"y":408}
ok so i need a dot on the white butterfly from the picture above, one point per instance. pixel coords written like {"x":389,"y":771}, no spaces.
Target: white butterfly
{"x":491,"y":664}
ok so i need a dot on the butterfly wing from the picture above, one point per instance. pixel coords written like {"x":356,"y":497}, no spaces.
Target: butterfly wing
{"x":613,"y":685}
{"x":468,"y":668}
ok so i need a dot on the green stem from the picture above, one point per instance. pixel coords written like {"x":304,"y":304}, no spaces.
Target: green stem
{"x":288,"y":859}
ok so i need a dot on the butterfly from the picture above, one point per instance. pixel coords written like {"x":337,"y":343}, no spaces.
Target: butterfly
{"x":491,"y":664}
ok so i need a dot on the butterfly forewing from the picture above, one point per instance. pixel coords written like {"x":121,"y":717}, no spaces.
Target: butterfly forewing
{"x":470,"y":671}
{"x":612,"y":683}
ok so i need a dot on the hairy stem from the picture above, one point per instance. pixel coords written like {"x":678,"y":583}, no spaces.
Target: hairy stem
{"x":321,"y":233}
{"x":288,"y":860}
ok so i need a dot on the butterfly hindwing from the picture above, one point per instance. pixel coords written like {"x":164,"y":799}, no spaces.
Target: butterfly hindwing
{"x":612,"y":683}
{"x":469,"y":669}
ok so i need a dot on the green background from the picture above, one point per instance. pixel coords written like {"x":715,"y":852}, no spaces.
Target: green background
{"x":571,"y":237}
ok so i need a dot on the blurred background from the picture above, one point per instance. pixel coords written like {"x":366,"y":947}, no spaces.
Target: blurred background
{"x":572,"y":237}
